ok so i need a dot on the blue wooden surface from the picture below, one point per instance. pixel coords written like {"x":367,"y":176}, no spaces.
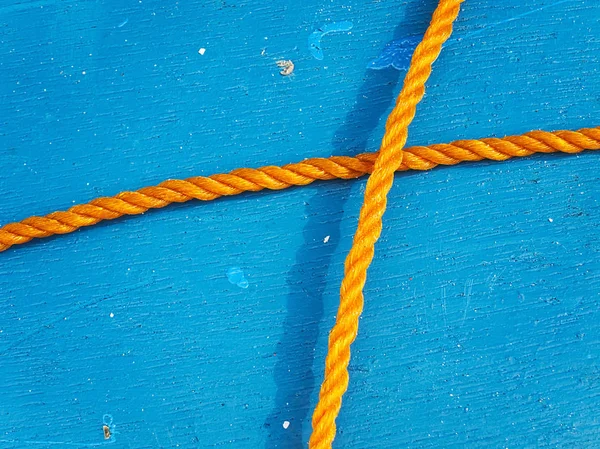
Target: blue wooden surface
{"x":481,"y":320}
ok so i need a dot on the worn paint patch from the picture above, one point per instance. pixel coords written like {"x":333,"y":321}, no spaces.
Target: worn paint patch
{"x":396,"y":54}
{"x":235,"y":275}
{"x":314,"y":40}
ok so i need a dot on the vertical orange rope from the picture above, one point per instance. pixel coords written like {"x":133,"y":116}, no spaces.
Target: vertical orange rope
{"x":370,"y":223}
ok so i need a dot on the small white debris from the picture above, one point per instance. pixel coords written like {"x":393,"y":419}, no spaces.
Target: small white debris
{"x":286,"y":424}
{"x":550,"y":220}
{"x":112,"y":315}
{"x":202,"y":51}
{"x":286,"y":66}
{"x":326,"y":239}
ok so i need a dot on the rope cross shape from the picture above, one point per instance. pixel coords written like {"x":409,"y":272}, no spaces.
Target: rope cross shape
{"x":381,"y":166}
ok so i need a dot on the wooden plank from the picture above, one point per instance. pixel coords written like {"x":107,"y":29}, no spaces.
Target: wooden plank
{"x":480,"y":327}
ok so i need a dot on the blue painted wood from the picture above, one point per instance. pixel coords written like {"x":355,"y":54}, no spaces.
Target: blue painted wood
{"x":481,"y":320}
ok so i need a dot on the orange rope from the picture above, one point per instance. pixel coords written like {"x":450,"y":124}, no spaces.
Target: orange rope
{"x":369,"y":227}
{"x":382,"y":165}
{"x":302,"y":173}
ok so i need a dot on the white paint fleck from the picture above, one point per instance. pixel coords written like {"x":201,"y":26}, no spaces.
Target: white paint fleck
{"x":112,"y":315}
{"x":326,"y":239}
{"x":286,"y":424}
{"x":202,"y":51}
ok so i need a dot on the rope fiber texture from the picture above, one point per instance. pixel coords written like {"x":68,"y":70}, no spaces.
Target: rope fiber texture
{"x":298,"y":174}
{"x":369,"y":226}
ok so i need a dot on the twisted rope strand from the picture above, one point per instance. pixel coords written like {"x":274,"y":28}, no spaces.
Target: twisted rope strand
{"x":369,"y":226}
{"x":302,"y":173}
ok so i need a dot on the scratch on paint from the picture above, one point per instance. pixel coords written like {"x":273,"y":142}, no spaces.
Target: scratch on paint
{"x":492,"y":279}
{"x":467,"y":292}
{"x":443,"y":294}
{"x":426,"y":320}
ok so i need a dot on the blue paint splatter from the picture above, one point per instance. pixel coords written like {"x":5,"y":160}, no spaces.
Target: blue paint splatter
{"x":235,"y":275}
{"x":107,"y":420}
{"x":396,"y":54}
{"x":314,"y":40}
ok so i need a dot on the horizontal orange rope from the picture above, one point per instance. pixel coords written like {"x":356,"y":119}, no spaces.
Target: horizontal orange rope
{"x":302,"y":173}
